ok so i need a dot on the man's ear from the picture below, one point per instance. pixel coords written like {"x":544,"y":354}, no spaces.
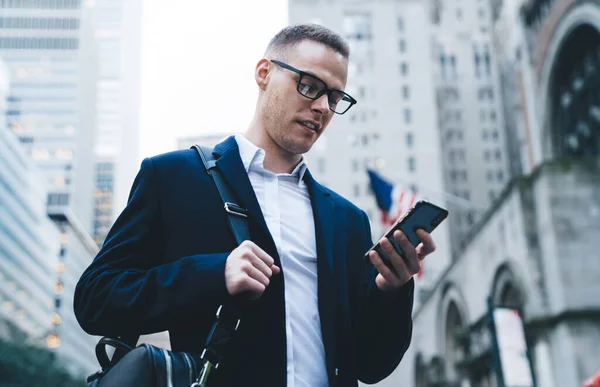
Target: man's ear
{"x":262,"y":73}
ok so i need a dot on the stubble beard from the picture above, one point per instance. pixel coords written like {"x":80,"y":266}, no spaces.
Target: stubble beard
{"x":277,"y":127}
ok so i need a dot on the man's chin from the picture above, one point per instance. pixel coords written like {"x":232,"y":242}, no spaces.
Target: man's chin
{"x":299,"y":147}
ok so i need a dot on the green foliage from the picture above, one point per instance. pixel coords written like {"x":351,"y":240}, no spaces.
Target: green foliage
{"x":27,"y":365}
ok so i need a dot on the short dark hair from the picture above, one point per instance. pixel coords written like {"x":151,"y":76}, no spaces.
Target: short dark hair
{"x":293,"y":35}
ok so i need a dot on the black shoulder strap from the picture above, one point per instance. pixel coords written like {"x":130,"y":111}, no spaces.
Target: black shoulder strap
{"x":228,"y":316}
{"x":238,"y":221}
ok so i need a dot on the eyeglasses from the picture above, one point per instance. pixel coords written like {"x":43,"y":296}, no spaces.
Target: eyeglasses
{"x":313,"y":88}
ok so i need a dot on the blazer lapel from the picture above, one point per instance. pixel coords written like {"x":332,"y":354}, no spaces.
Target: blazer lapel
{"x":229,"y":162}
{"x":323,"y":210}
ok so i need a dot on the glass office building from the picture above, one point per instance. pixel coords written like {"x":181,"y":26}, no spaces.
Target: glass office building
{"x":29,"y":241}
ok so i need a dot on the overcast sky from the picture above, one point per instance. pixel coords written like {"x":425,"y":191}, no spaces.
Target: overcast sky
{"x":198,"y":61}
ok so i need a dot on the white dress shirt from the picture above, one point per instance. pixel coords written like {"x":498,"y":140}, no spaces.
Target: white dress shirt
{"x":287,"y":209}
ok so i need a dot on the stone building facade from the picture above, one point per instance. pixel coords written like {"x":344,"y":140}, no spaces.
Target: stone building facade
{"x":536,"y":248}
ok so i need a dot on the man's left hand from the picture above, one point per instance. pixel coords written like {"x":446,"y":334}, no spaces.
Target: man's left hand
{"x":404,"y":268}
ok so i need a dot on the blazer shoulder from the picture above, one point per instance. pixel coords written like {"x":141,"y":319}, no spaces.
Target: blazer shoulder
{"x":175,"y":157}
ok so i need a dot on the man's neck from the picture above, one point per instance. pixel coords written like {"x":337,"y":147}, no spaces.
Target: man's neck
{"x":277,"y":160}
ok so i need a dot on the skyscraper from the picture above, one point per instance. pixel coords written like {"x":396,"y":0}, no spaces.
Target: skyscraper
{"x":50,"y":60}
{"x":393,"y":127}
{"x":50,"y":54}
{"x":117,"y":31}
{"x":29,"y":241}
{"x":471,"y":117}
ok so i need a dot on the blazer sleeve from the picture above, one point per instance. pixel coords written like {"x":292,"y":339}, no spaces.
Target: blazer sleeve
{"x":126,"y":290}
{"x":382,"y":321}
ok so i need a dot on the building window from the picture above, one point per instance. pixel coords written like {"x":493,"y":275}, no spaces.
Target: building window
{"x":404,"y":68}
{"x":500,"y":175}
{"x":356,"y":190}
{"x":405,"y":92}
{"x":486,"y":93}
{"x":412,"y":164}
{"x":354,"y":165}
{"x":402,"y":45}
{"x":470,"y":218}
{"x":60,"y":199}
{"x":407,"y":116}
{"x":409,"y":140}
{"x":400,"y":24}
{"x":453,"y":66}
{"x":477,"y":59}
{"x":487,"y":60}
{"x":487,"y":155}
{"x":443,"y":64}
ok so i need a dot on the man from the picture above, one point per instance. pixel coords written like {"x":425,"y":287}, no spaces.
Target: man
{"x":320,"y":314}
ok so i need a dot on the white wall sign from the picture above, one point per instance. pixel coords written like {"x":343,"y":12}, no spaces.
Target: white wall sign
{"x":512,"y":346}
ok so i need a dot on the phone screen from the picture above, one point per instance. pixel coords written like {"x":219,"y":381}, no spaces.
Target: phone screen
{"x":423,"y":215}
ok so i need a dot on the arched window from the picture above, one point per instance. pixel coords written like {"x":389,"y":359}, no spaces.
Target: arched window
{"x":454,"y":351}
{"x":575,"y":95}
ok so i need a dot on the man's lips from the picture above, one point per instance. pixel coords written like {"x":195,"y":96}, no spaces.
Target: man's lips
{"x":312,"y":125}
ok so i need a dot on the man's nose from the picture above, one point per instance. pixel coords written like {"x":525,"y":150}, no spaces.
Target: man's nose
{"x":321,"y":104}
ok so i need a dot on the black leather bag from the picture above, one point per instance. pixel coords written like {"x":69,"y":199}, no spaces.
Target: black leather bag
{"x":147,"y":365}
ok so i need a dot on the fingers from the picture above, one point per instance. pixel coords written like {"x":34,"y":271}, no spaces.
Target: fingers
{"x":397,"y":262}
{"x":404,"y":266}
{"x":390,"y":277}
{"x":264,"y":259}
{"x":411,"y":260}
{"x":256,"y":274}
{"x":428,"y":245}
{"x":248,"y":270}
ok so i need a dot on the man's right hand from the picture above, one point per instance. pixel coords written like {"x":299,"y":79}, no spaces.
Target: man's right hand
{"x":248,"y":269}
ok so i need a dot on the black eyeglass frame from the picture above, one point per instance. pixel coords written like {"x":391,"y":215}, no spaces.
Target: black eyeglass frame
{"x":320,"y":93}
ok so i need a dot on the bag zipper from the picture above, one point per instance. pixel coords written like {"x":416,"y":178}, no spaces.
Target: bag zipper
{"x":187,"y":358}
{"x":169,"y":368}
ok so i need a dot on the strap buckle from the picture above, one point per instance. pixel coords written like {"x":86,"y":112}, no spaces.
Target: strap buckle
{"x":202,"y":379}
{"x":234,"y":209}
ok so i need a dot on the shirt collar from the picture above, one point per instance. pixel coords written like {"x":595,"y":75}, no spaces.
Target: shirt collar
{"x":253,"y":156}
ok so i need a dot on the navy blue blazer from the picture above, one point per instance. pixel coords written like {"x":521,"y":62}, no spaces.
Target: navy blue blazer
{"x":162,"y":268}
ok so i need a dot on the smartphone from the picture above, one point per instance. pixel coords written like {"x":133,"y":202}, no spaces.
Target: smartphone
{"x":422,"y":215}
